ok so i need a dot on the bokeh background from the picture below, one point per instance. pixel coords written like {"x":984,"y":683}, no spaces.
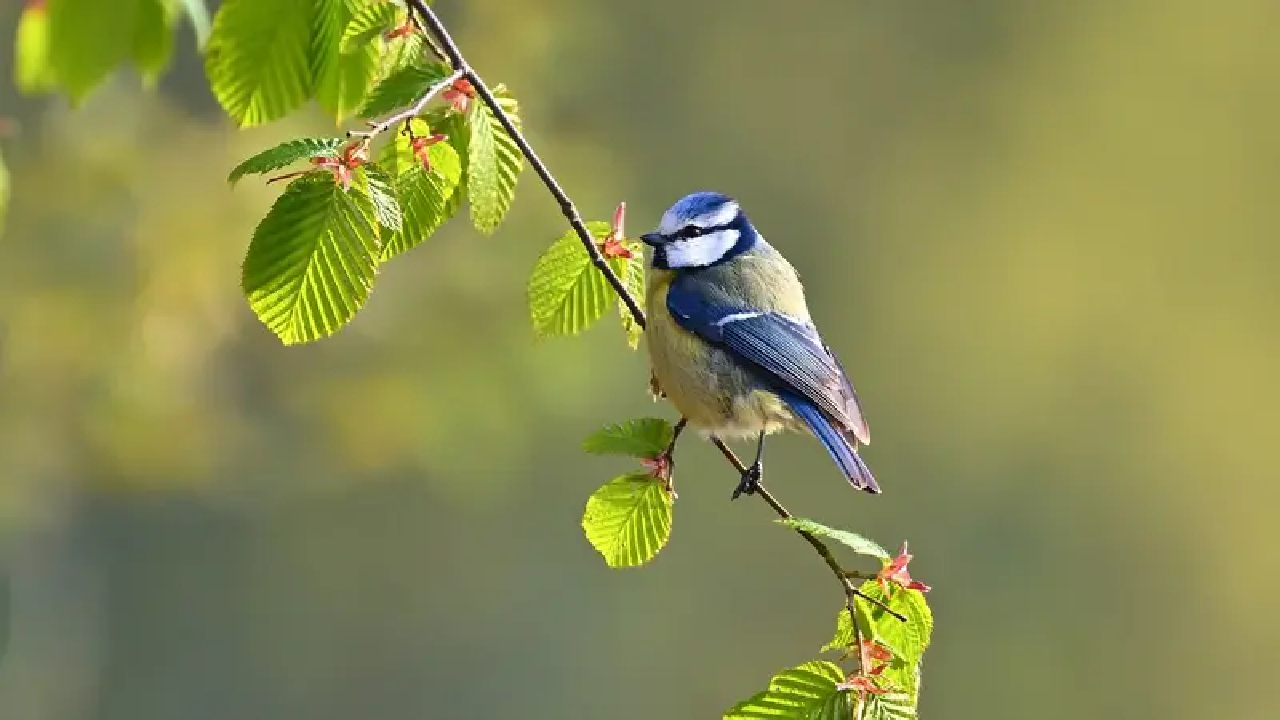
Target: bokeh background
{"x":1041,"y":235}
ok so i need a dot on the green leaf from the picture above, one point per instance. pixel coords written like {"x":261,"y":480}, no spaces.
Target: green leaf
{"x":860,"y":544}
{"x":566,"y":292}
{"x":426,"y":197}
{"x":198,"y":13}
{"x":844,"y":632}
{"x":342,"y":79}
{"x":153,"y":39}
{"x":807,"y":692}
{"x":383,"y":194}
{"x":493,"y":166}
{"x":89,"y":40}
{"x":258,"y":59}
{"x":286,"y":153}
{"x":633,"y":278}
{"x":312,"y":260}
{"x":628,"y":520}
{"x":890,"y":706}
{"x":402,"y":88}
{"x":368,"y":23}
{"x":908,"y":640}
{"x":643,"y":438}
{"x":32,"y":72}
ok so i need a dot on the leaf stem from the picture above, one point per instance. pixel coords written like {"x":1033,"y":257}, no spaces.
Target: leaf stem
{"x":451,"y":51}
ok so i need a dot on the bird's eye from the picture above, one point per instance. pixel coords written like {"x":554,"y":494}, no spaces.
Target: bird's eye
{"x":692,"y":231}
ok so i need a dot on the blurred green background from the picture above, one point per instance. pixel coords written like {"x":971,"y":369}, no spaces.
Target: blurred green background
{"x":1041,"y":235}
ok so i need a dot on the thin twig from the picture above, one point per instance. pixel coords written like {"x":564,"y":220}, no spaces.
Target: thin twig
{"x":414,"y":110}
{"x":850,"y":590}
{"x":430,"y":22}
{"x":451,"y":51}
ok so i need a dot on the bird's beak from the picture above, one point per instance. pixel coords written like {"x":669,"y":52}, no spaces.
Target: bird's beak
{"x":652,"y":239}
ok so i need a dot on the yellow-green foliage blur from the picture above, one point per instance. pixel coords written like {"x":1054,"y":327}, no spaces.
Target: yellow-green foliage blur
{"x":1043,"y":238}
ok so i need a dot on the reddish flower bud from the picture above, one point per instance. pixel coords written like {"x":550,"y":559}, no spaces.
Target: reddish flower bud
{"x":896,"y":572}
{"x":459,"y":95}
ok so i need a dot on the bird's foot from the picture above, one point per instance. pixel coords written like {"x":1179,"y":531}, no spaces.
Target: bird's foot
{"x":750,"y":481}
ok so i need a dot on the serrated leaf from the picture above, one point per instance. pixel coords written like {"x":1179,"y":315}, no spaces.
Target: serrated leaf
{"x":908,"y":640}
{"x":628,"y":520}
{"x":807,"y":692}
{"x":198,"y":14}
{"x":642,"y":438}
{"x":312,"y":260}
{"x":32,"y":71}
{"x":859,"y":544}
{"x":284,"y":154}
{"x":341,"y":79}
{"x":383,"y":194}
{"x":402,"y":88}
{"x":89,"y":40}
{"x":633,"y":279}
{"x":367,"y":24}
{"x":454,"y":126}
{"x":153,"y":39}
{"x":566,"y":292}
{"x":493,"y":166}
{"x":844,"y":632}
{"x":258,"y":59}
{"x":889,"y":706}
{"x":425,"y":197}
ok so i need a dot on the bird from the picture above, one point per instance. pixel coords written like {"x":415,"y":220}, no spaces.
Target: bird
{"x":731,"y":343}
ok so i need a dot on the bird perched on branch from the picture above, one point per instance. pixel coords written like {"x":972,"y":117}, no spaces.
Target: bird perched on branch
{"x":731,"y":343}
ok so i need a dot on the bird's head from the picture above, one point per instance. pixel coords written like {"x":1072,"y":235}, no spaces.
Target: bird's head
{"x":700,"y":230}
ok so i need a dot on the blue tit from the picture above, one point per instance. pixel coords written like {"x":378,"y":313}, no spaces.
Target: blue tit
{"x":731,"y":343}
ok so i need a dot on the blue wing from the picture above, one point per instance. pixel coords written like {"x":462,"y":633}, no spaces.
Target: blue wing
{"x":790,"y":358}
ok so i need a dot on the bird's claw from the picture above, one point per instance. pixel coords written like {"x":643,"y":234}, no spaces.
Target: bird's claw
{"x":750,"y":481}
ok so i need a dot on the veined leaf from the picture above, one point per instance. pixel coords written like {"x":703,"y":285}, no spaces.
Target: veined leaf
{"x":643,"y":438}
{"x":628,"y":520}
{"x":860,"y":544}
{"x":454,"y":126}
{"x":312,"y":260}
{"x":32,"y":71}
{"x":198,"y":13}
{"x":807,"y":692}
{"x":493,"y":166}
{"x":89,"y":40}
{"x":633,"y":279}
{"x":383,"y":194}
{"x":908,"y":640}
{"x":890,"y":706}
{"x":368,"y":23}
{"x":341,"y":79}
{"x":259,"y":58}
{"x":426,"y":197}
{"x":153,"y":38}
{"x":566,"y":292}
{"x":402,"y":88}
{"x":844,"y":636}
{"x":286,"y":153}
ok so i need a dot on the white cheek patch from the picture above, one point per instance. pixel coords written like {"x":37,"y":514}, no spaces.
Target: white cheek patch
{"x":702,"y":250}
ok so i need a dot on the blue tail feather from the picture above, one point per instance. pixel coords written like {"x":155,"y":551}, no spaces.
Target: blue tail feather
{"x":837,"y":443}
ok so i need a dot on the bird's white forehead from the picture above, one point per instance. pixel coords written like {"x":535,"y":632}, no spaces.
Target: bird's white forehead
{"x":697,"y":213}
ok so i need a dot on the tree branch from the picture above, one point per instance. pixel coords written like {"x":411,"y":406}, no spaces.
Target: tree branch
{"x":430,"y":22}
{"x":450,"y":48}
{"x":414,"y":111}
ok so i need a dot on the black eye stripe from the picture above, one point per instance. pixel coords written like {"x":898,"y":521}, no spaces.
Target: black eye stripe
{"x":693,"y":231}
